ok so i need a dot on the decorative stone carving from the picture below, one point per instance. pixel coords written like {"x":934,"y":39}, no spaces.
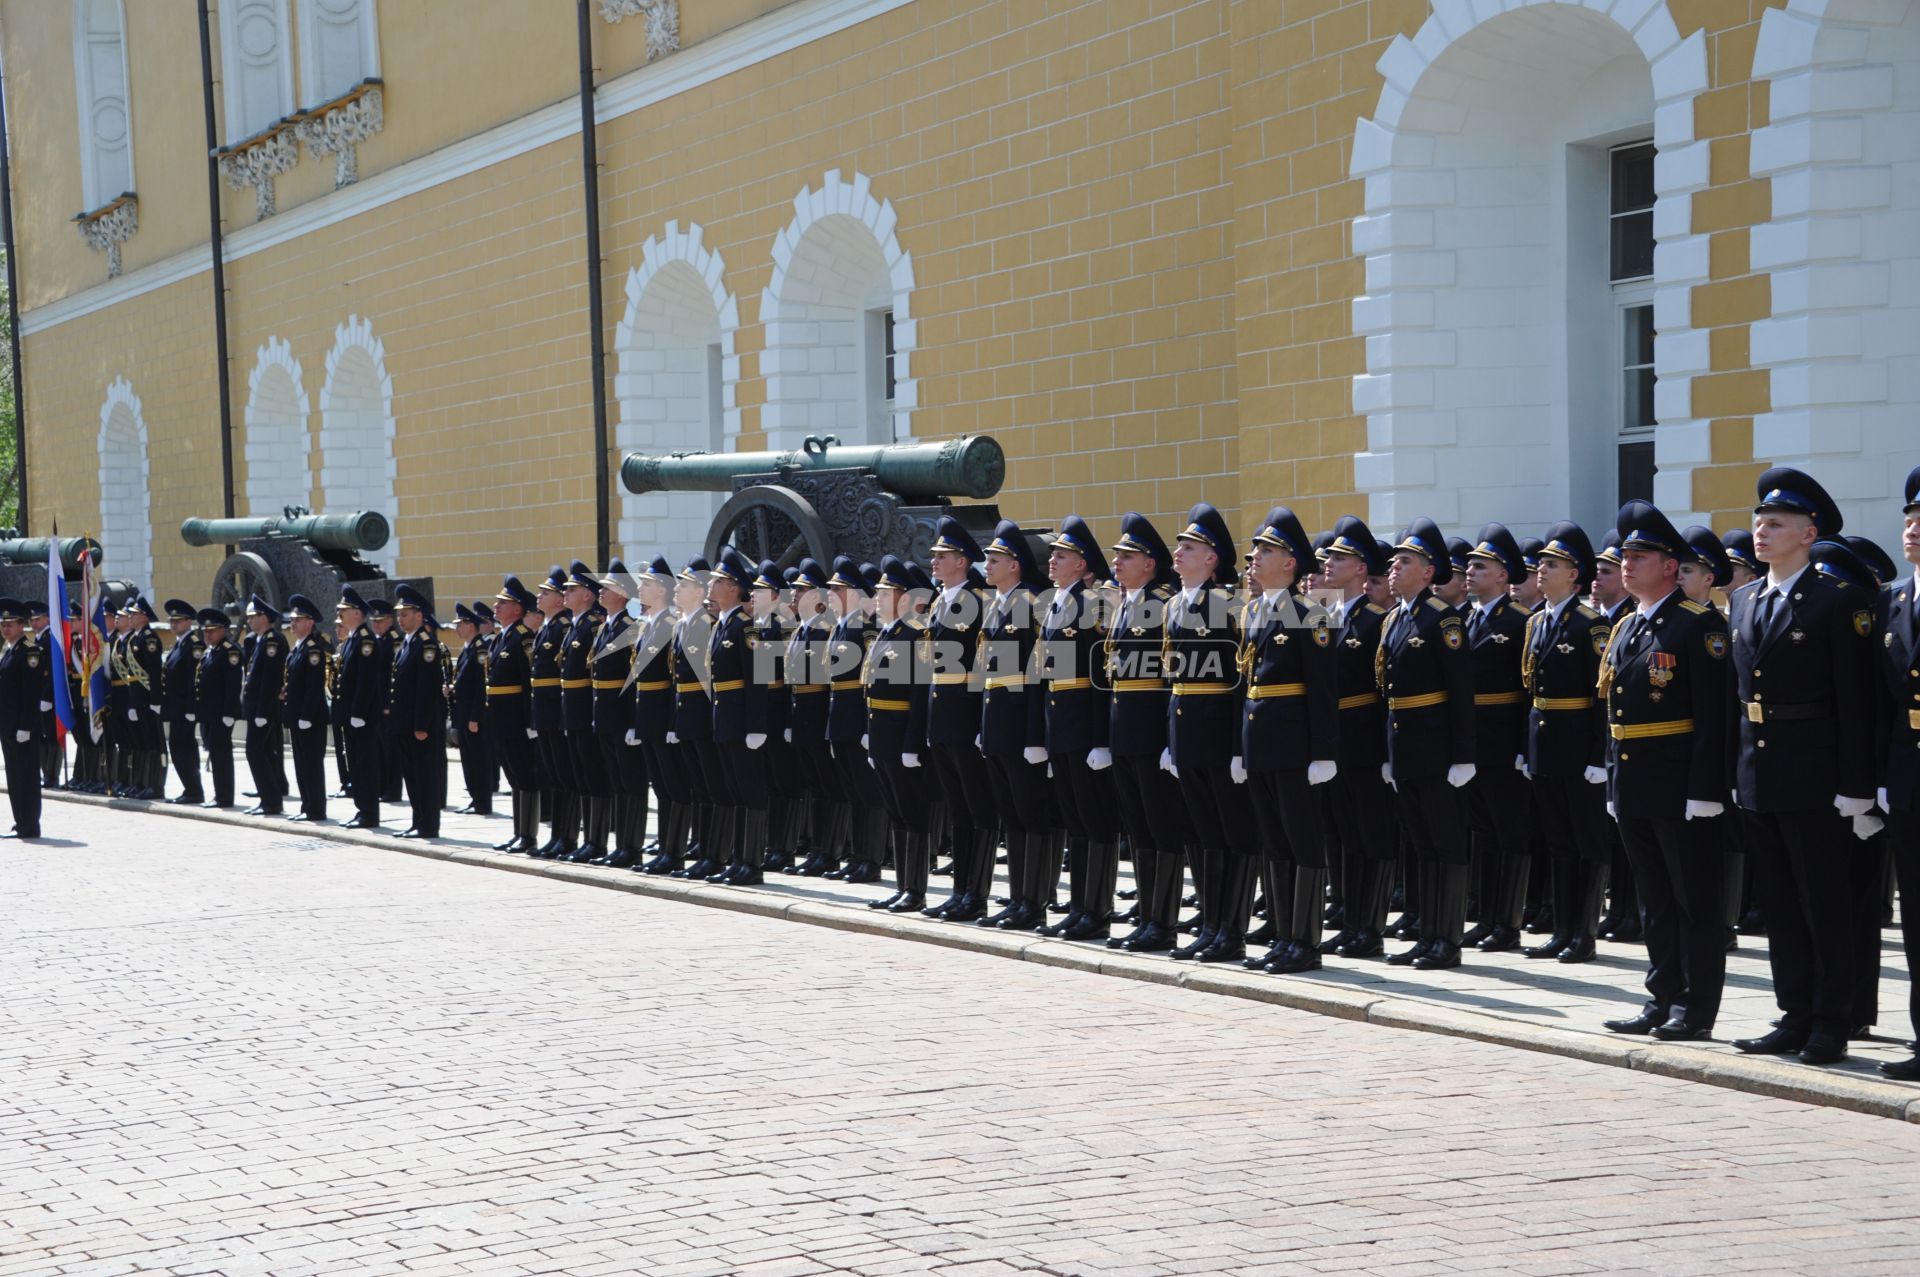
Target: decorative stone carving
{"x":338,"y":127}
{"x":663,"y":21}
{"x":108,"y":227}
{"x":257,"y":161}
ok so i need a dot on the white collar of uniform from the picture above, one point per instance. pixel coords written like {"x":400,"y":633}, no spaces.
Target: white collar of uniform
{"x":1916,"y":585}
{"x":726,"y":615}
{"x":1275,"y":597}
{"x":1190,"y":594}
{"x":1785,"y":587}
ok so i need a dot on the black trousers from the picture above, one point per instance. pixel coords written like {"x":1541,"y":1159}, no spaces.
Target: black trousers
{"x":1288,"y":814}
{"x":589,"y":764}
{"x":907,"y":790}
{"x":184,"y":750}
{"x":747,"y":774}
{"x":1152,"y":810}
{"x":1573,"y":816}
{"x":961,"y":776}
{"x":1677,"y":864}
{"x":22,"y":760}
{"x":479,"y":770}
{"x":557,"y":758}
{"x":1085,"y":798}
{"x":1500,"y":809}
{"x":1366,"y":812}
{"x":858,"y":779}
{"x":1220,"y":810}
{"x":364,"y":783}
{"x":1022,"y":795}
{"x":267,"y":760}
{"x":310,"y":769}
{"x":1805,"y":898}
{"x":1433,"y":814}
{"x":1903,"y":837}
{"x":626,"y":766}
{"x":423,"y":765}
{"x":216,"y":738}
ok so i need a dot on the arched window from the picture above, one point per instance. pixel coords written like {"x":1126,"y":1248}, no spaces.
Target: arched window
{"x":100,"y":76}
{"x":279,"y":448}
{"x":256,"y":54}
{"x":126,"y":502}
{"x":339,"y":47}
{"x":357,"y":467}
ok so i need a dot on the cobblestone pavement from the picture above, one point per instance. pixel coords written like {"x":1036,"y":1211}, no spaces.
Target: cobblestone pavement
{"x":237,"y":1051}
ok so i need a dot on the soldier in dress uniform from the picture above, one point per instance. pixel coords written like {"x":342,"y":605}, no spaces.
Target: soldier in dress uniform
{"x":1621,"y":920}
{"x":380,"y":619}
{"x":847,"y":720}
{"x":217,"y":701}
{"x":1897,"y":743}
{"x":508,"y":712}
{"x":1526,"y":590}
{"x":1360,"y":805}
{"x":896,"y":716}
{"x":949,"y":650}
{"x":1072,"y":641}
{"x":146,"y":740}
{"x":1744,"y":905}
{"x":1013,"y":730}
{"x":787,"y":799}
{"x":809,"y":691}
{"x":1739,"y":546}
{"x":89,"y":762}
{"x":1801,"y":652}
{"x":417,"y":712}
{"x":692,"y":732}
{"x":1290,"y":740}
{"x":23,"y":673}
{"x":1664,"y":689}
{"x":359,"y":706}
{"x":739,"y":718}
{"x":1455,"y":593}
{"x":52,"y":756}
{"x":1425,"y":671}
{"x":309,"y":675}
{"x":1500,"y":800}
{"x":1705,"y":566}
{"x":116,"y":737}
{"x":264,"y":659}
{"x":583,"y":757}
{"x":467,"y":710}
{"x":624,"y":761}
{"x":560,"y":801}
{"x":177,"y":675}
{"x":1202,"y":645}
{"x":653,"y":700}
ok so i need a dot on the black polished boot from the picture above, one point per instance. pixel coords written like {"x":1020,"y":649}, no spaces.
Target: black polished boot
{"x":1450,"y":897}
{"x":1590,"y":884}
{"x":1309,"y":908}
{"x":1565,"y":896}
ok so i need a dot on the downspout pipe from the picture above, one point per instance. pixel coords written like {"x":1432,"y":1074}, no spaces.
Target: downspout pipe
{"x":13,"y":302}
{"x":219,"y":266}
{"x":590,"y":186}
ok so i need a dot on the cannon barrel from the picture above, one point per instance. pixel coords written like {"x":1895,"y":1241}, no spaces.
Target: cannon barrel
{"x":973,"y":466}
{"x":25,"y":550}
{"x":360,"y":530}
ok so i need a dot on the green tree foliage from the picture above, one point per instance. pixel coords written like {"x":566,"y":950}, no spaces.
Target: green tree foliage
{"x":9,"y":417}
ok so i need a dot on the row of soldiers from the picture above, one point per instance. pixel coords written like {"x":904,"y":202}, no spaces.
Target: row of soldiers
{"x":1246,"y":724}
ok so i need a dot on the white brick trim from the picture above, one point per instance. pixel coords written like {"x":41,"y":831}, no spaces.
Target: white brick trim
{"x":1843,"y":342}
{"x":357,"y":467}
{"x":839,"y":257}
{"x":279,"y":442}
{"x":1466,"y":421}
{"x":678,"y":307}
{"x":126,"y":488}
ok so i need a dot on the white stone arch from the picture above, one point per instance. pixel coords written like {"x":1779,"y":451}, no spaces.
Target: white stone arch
{"x":1842,"y":349}
{"x":279,"y":445}
{"x":1476,"y":314}
{"x":835,"y":264}
{"x":678,"y":373}
{"x":357,"y":470}
{"x":126,"y":488}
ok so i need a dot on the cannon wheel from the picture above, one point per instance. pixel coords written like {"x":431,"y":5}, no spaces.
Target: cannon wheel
{"x":768,"y":521}
{"x":241,"y":577}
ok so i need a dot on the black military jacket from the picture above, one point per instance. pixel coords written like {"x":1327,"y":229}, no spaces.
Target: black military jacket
{"x":1013,"y":713}
{"x":576,"y":672}
{"x":418,"y":701}
{"x":1664,"y":699}
{"x":1897,"y":661}
{"x":1133,"y":670}
{"x":468,"y":701}
{"x":217,"y":690}
{"x":1802,"y":695}
{"x":739,"y":700}
{"x":1201,"y":651}
{"x":847,"y":654}
{"x":948,"y":651}
{"x":23,"y":671}
{"x":1072,"y":643}
{"x":1496,"y":636}
{"x":808,"y":679}
{"x":1292,"y":714}
{"x":361,"y":680}
{"x":653,"y":685}
{"x":609,"y":667}
{"x":306,"y":683}
{"x":265,"y":679}
{"x":770,"y":655}
{"x":896,"y":690}
{"x":1567,"y":726}
{"x":509,"y":671}
{"x":549,"y":646}
{"x":1426,"y":673}
{"x":692,"y":707}
{"x":1363,"y":714}
{"x":177,"y":674}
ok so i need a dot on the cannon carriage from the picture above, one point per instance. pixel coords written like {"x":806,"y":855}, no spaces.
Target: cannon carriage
{"x":297,"y":553}
{"x":828,"y":498}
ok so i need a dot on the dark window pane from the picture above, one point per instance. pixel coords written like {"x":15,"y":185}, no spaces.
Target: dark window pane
{"x":886,"y":332}
{"x":1637,"y":403}
{"x":1632,"y":246}
{"x":1638,"y":345}
{"x":1636,"y":472}
{"x":1633,"y":178}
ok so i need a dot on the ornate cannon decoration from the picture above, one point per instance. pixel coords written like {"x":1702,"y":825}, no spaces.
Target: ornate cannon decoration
{"x":829,"y":498}
{"x":23,"y":567}
{"x":297,"y":553}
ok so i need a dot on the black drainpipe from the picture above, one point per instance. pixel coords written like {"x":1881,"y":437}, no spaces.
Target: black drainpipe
{"x":590,"y":174}
{"x":13,"y":306}
{"x":219,"y":267}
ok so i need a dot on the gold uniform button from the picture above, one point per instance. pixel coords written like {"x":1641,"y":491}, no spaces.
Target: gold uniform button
{"x":1762,"y":744}
{"x":1624,"y":757}
{"x":1756,"y":698}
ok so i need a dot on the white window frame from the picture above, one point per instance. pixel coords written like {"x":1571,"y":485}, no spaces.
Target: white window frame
{"x":238,"y":128}
{"x":92,"y":197}
{"x":310,"y":85}
{"x":1628,"y":294}
{"x":879,"y":404}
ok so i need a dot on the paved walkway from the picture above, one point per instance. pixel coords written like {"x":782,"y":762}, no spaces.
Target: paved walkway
{"x":234,"y":1051}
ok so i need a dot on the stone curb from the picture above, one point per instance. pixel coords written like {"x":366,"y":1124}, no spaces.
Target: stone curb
{"x":1754,"y":1074}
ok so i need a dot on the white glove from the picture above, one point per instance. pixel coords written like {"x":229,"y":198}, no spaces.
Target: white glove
{"x":1851,"y":807}
{"x":1099,"y":759}
{"x":863,"y":740}
{"x":45,"y":706}
{"x":1881,"y":800}
{"x":788,"y":733}
{"x":756,"y":739}
{"x":1595,"y":775}
{"x":259,"y":722}
{"x":673,"y":738}
{"x":1610,"y":811}
{"x":227,"y":721}
{"x":191,"y":718}
{"x":1459,"y":774}
{"x":1238,"y":770}
{"x":1866,"y":826}
{"x":633,"y":737}
{"x":909,"y":760}
{"x":1697,"y":810}
{"x":532,"y":733}
{"x":1035,"y":754}
{"x":361,"y":722}
{"x":1386,"y":774}
{"x":1166,"y":762}
{"x":1520,"y":763}
{"x":133,"y":716}
{"x":23,"y":737}
{"x":976,"y":742}
{"x":1321,"y":771}
{"x":302,"y":724}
